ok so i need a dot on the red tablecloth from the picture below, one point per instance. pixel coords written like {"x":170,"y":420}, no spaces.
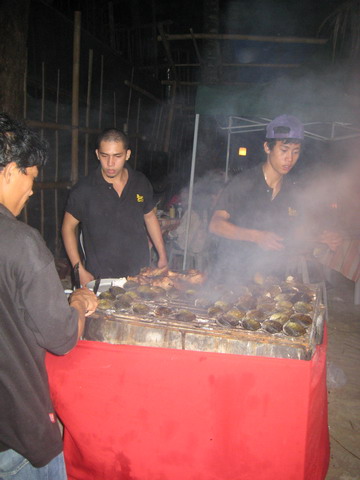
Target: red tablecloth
{"x":139,"y":413}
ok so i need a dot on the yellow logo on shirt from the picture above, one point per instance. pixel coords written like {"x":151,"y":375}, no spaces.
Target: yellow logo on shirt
{"x":139,"y":198}
{"x":292,"y":212}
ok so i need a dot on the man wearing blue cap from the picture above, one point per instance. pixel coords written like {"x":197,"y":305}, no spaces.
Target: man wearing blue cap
{"x":257,"y":214}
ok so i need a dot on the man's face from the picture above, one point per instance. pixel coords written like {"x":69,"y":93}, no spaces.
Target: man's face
{"x":112,"y":157}
{"x":21,"y":188}
{"x":283,"y":156}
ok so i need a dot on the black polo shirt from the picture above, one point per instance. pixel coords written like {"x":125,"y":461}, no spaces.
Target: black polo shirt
{"x":114,"y":233}
{"x":34,"y":317}
{"x":247,"y":199}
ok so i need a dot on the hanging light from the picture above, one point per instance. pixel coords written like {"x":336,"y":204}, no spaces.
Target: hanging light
{"x":242,"y":151}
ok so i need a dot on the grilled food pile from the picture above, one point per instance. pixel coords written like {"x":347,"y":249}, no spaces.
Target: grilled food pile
{"x":267,"y":304}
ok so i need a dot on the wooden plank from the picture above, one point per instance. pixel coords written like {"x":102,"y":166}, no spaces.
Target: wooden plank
{"x":75,"y":99}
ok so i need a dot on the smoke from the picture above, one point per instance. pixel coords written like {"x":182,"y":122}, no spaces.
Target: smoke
{"x":206,"y":190}
{"x":328,"y":196}
{"x":330,"y":192}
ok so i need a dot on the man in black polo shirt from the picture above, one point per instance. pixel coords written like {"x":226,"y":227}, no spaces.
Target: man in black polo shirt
{"x":114,"y":206}
{"x":257,"y":215}
{"x":35,"y":316}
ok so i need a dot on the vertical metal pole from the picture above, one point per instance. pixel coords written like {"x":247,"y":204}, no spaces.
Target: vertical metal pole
{"x":87,"y":117}
{"x":191,"y":188}
{"x":75,"y":100}
{"x":228,"y":151}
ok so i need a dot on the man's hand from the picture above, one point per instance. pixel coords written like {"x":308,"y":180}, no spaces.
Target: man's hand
{"x":84,"y":300}
{"x":269,"y":241}
{"x":162,"y":262}
{"x":331,"y":239}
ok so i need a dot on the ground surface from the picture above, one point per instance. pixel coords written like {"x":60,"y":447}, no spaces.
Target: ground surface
{"x":343,"y":379}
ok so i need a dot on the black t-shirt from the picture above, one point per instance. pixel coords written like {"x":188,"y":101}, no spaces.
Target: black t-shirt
{"x":114,"y":233}
{"x":247,"y":199}
{"x":34,"y":317}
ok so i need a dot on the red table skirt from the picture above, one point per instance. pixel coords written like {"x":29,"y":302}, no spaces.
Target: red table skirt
{"x":141,"y":413}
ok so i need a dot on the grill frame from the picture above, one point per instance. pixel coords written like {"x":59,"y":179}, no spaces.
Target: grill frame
{"x":203,"y":334}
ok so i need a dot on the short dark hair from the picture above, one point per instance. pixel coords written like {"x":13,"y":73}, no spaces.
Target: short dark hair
{"x":113,"y":135}
{"x":21,"y":145}
{"x":271,"y":142}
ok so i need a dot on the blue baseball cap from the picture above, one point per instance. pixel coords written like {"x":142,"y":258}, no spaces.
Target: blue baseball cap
{"x":294,"y":126}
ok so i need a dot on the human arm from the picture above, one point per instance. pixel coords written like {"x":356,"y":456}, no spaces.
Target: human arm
{"x":40,"y":296}
{"x":85,"y":302}
{"x":222,"y":227}
{"x":330,"y":238}
{"x":56,"y":326}
{"x":154,"y":231}
{"x":69,"y":235}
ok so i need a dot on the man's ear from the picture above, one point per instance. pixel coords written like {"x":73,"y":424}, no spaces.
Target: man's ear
{"x":128,"y":154}
{"x":8,"y":171}
{"x":266,"y":148}
{"x":97,"y":154}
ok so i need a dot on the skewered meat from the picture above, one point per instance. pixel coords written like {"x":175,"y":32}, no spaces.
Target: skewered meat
{"x":163,"y":282}
{"x":153,"y":272}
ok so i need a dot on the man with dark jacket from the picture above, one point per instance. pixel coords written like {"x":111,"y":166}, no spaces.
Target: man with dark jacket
{"x":35,"y":316}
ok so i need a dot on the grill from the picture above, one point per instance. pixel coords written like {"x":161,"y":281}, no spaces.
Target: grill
{"x":203,"y":333}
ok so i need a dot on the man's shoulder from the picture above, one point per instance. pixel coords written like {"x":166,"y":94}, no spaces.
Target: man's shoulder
{"x":138,"y":178}
{"x":12,"y":225}
{"x":23,"y":239}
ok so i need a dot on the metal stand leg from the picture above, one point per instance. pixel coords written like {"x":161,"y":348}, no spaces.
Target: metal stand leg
{"x":325,"y":300}
{"x":304,"y":270}
{"x":357,"y":293}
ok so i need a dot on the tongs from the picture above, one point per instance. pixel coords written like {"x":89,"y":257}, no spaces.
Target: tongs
{"x":77,"y":279}
{"x":97,"y":284}
{"x":76,"y":276}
